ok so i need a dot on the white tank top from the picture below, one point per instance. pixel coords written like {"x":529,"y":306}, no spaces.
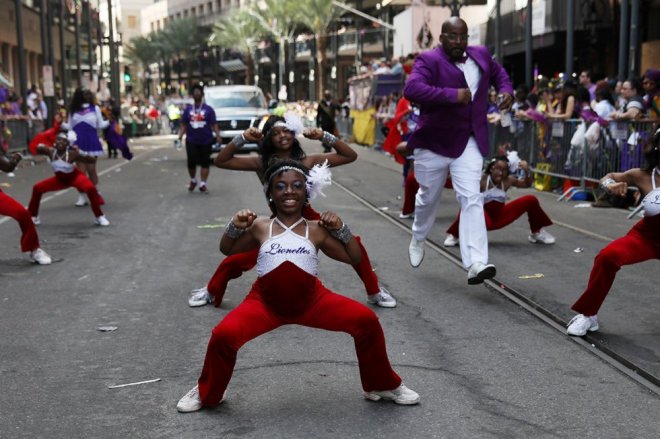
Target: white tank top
{"x":61,"y":164}
{"x":495,"y":193}
{"x":287,"y":246}
{"x":651,"y":201}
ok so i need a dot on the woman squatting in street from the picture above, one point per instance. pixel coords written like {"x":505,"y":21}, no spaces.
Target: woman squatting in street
{"x":278,"y":140}
{"x":14,"y":209}
{"x":287,"y":290}
{"x":642,"y":242}
{"x":496,"y":180}
{"x":63,"y":157}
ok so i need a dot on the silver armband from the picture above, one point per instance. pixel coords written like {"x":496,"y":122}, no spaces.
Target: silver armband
{"x":342,"y":234}
{"x":607,"y":182}
{"x":328,"y":139}
{"x":239,"y":140}
{"x":232,"y":231}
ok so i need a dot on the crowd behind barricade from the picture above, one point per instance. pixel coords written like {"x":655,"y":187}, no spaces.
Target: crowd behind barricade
{"x":572,"y":131}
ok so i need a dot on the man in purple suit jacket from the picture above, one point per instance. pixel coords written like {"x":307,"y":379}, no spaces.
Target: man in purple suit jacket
{"x":450,"y":84}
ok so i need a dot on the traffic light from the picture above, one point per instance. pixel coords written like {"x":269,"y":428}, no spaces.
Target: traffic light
{"x":127,"y":74}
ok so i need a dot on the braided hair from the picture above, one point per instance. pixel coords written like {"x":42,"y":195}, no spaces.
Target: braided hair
{"x":652,"y":152}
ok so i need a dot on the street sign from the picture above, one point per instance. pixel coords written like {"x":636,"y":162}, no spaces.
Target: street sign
{"x":49,"y":85}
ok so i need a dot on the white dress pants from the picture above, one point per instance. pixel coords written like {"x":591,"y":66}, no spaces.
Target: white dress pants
{"x":431,"y":171}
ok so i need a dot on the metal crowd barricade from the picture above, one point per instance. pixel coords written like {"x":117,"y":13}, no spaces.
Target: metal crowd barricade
{"x":345,"y":126}
{"x":18,"y":134}
{"x":574,"y":149}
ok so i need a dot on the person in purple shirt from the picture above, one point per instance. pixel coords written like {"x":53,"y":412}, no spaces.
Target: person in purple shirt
{"x":198,"y":124}
{"x":450,"y":83}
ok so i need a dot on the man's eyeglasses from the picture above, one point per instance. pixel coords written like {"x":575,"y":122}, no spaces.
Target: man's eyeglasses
{"x":456,"y":37}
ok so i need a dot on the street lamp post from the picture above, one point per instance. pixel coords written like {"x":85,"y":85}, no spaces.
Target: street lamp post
{"x":76,"y":29}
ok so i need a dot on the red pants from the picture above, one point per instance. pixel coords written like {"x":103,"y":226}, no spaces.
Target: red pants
{"x":14,"y":209}
{"x":640,"y":244}
{"x":499,"y":215}
{"x":62,"y":181}
{"x":285,"y":296}
{"x":234,"y":266}
{"x":409,"y":192}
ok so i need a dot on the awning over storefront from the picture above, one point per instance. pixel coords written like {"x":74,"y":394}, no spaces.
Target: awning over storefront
{"x":233,"y":66}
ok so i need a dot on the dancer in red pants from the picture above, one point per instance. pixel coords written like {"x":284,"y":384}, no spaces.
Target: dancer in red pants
{"x":642,"y":242}
{"x":278,"y":139}
{"x":287,"y":291}
{"x":14,"y":209}
{"x":62,"y":159}
{"x":494,"y":184}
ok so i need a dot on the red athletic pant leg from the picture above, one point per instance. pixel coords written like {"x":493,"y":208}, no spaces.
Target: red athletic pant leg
{"x":14,"y":209}
{"x":499,"y":215}
{"x":231,"y":267}
{"x":329,"y":311}
{"x":410,"y":190}
{"x":81,"y":182}
{"x":364,"y":269}
{"x":637,"y":246}
{"x":48,"y":185}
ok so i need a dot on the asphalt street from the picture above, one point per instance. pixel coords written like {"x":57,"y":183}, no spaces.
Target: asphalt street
{"x":485,"y":367}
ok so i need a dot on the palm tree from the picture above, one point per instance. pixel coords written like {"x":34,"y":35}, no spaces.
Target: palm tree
{"x":319,"y":16}
{"x":183,"y":37}
{"x":239,"y":30}
{"x":141,"y":51}
{"x":281,"y":19}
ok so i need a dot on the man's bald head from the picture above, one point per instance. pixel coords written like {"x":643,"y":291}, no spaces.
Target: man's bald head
{"x":454,"y":24}
{"x":454,"y":37}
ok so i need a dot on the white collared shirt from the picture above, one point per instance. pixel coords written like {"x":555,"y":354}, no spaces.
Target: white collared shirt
{"x":472,"y":74}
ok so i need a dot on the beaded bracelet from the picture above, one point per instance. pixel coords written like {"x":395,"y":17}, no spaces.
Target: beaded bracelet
{"x":232,"y":231}
{"x":342,"y":234}
{"x":607,"y":182}
{"x":328,"y":139}
{"x":239,"y":140}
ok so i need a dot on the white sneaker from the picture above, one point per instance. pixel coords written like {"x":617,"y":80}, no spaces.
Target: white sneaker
{"x":401,"y":395}
{"x":82,"y":200}
{"x":542,"y":236}
{"x":102,"y":221}
{"x":580,"y":324}
{"x":40,"y":257}
{"x":451,"y":240}
{"x":407,"y":215}
{"x":479,"y":272}
{"x":200,"y":297}
{"x":383,"y":298}
{"x":416,"y":252}
{"x":36,"y":220}
{"x":191,"y":401}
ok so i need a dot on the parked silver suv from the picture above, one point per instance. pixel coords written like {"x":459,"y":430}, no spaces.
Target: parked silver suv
{"x":237,"y":108}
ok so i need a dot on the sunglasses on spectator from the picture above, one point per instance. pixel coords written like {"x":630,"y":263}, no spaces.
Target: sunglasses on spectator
{"x":456,"y":37}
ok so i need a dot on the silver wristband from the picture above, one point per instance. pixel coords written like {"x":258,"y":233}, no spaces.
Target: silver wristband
{"x":607,"y":182}
{"x":328,"y":139}
{"x":342,"y":234}
{"x":232,"y":231}
{"x":239,"y":140}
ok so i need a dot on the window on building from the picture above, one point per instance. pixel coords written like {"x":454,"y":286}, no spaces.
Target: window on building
{"x":131,"y":21}
{"x":209,"y":7}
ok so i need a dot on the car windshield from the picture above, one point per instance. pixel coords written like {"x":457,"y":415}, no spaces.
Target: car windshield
{"x":236,"y":98}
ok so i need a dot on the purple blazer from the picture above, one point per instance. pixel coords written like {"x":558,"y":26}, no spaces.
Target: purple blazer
{"x":445,"y":125}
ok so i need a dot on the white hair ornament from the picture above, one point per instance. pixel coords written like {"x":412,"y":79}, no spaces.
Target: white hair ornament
{"x":293,"y":123}
{"x":72,"y":137}
{"x":514,"y":161}
{"x":318,"y":178}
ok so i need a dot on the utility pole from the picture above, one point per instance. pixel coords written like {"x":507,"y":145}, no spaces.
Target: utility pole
{"x":63,"y":76}
{"x":76,"y":29}
{"x":114,"y":74}
{"x":570,"y":25}
{"x":623,"y":40}
{"x":528,"y":47}
{"x":22,"y":79}
{"x":90,"y":52}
